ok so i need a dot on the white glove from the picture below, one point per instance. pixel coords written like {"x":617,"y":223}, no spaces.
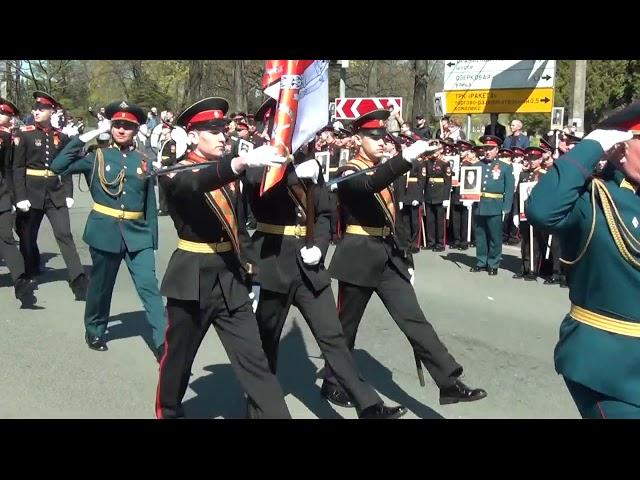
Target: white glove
{"x":24,"y":205}
{"x":467,"y":203}
{"x":104,"y":125}
{"x":445,"y":204}
{"x":415,"y":150}
{"x":309,"y":169}
{"x":400,"y":204}
{"x":157,"y":165}
{"x":415,"y":203}
{"x":263,"y":156}
{"x":69,"y":201}
{"x":516,"y":220}
{"x":13,"y":209}
{"x":90,"y":135}
{"x":333,"y":187}
{"x":412,"y":272}
{"x":311,"y":256}
{"x":503,"y":215}
{"x":608,"y":138}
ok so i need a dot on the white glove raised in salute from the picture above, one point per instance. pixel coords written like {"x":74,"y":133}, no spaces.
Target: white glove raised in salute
{"x":608,"y":138}
{"x":308,"y":169}
{"x":420,"y":147}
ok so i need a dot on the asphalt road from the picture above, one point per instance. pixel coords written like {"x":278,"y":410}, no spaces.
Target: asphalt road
{"x":501,"y":330}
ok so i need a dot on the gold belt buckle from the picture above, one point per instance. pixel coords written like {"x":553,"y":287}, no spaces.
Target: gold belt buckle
{"x":122,"y":215}
{"x":298,"y":230}
{"x":47,"y":174}
{"x":385,"y":231}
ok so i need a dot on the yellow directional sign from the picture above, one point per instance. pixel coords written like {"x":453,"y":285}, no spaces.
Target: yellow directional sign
{"x":510,"y":100}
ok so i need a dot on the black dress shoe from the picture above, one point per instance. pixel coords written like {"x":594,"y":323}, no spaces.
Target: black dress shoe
{"x":554,"y":280}
{"x":459,"y":392}
{"x":414,"y":249}
{"x":518,"y":275}
{"x":478,"y":269}
{"x":493,"y":271}
{"x":428,"y":247}
{"x":563,"y":282}
{"x":337,"y":396}
{"x":463,"y":247}
{"x":438,"y":248}
{"x":530,"y":277}
{"x":79,"y":287}
{"x":24,"y":289}
{"x":96,"y":343}
{"x":381,"y":411}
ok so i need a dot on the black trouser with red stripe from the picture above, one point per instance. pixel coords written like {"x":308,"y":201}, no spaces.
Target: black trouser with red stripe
{"x":401,"y":302}
{"x":238,"y":332}
{"x":319,"y":311}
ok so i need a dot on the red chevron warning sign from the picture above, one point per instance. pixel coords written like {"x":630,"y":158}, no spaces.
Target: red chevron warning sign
{"x":349,"y":108}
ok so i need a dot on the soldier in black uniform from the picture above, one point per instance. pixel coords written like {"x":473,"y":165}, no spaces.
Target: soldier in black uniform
{"x":459,"y":212}
{"x":167,"y":159}
{"x":205,"y":282}
{"x":369,"y":259}
{"x":291,"y":271}
{"x":410,"y":193}
{"x":437,"y":189}
{"x":530,"y":173}
{"x":39,"y":191}
{"x":23,"y":285}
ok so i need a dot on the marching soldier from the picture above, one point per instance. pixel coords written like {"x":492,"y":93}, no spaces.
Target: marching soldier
{"x":123,"y":223}
{"x":292,"y":273}
{"x":530,"y":173}
{"x":23,"y":285}
{"x":596,"y":219}
{"x":437,"y":191}
{"x":206,"y":279}
{"x":496,"y":198}
{"x":369,"y":259}
{"x":39,"y":191}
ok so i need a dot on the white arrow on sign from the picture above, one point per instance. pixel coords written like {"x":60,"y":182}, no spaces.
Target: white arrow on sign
{"x":354,"y":108}
{"x":339,"y":111}
{"x":498,"y":74}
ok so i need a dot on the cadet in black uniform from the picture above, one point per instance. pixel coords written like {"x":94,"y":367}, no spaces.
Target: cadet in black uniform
{"x":410,"y":193}
{"x":530,"y":173}
{"x":459,"y":212}
{"x":369,"y":259}
{"x":23,"y":285}
{"x":205,"y":282}
{"x":437,"y":189}
{"x":39,"y":191}
{"x":292,"y":273}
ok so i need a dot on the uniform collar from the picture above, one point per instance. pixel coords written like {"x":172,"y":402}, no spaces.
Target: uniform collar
{"x":125,"y":149}
{"x":195,"y":158}
{"x":620,"y":179}
{"x":44,"y":129}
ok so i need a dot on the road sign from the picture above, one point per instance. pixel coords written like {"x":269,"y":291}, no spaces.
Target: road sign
{"x":349,"y":108}
{"x":499,"y":86}
{"x":512,"y":100}
{"x":498,"y":74}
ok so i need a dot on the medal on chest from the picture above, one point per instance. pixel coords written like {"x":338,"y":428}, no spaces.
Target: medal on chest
{"x":495,"y":172}
{"x":37,"y":142}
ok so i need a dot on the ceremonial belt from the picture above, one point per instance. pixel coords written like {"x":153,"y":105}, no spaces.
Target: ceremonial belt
{"x":40,"y":173}
{"x":436,"y":180}
{"x":114,"y":212}
{"x":412,"y":180}
{"x":602,"y":322}
{"x":333,"y":169}
{"x":199,"y":247}
{"x":372,"y":231}
{"x":289,"y":230}
{"x":491,"y":195}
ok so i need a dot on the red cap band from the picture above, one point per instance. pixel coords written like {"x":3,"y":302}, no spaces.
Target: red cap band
{"x":7,"y":108}
{"x":373,"y":124}
{"x":129,"y":117}
{"x":491,"y":142}
{"x":45,"y":101}
{"x":632,"y":125}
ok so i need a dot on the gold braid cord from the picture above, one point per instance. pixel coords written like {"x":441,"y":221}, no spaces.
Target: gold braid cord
{"x":619,"y":231}
{"x":104,"y":183}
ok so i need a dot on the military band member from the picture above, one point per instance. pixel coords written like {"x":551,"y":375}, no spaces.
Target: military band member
{"x":206,"y":280}
{"x":123,"y":223}
{"x":39,"y":192}
{"x":596,"y":219}
{"x":495,"y":202}
{"x":23,"y":285}
{"x":369,"y":259}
